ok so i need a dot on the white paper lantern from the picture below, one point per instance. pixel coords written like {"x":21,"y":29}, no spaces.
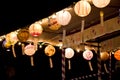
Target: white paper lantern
{"x":82,"y":8}
{"x":35,"y":29}
{"x":101,"y":3}
{"x":63,"y":17}
{"x":29,"y":50}
{"x":87,"y":54}
{"x":69,"y":53}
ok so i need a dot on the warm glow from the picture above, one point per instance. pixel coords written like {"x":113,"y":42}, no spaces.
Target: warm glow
{"x":69,"y":52}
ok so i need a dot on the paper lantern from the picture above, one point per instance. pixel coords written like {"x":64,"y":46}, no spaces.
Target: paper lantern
{"x":30,"y":51}
{"x":53,"y":23}
{"x":101,"y":3}
{"x":88,"y":55}
{"x":23,"y":35}
{"x":82,"y":8}
{"x":12,"y":39}
{"x":63,"y":17}
{"x":104,"y":56}
{"x":117,"y":55}
{"x":35,"y":29}
{"x":50,"y":51}
{"x":69,"y":53}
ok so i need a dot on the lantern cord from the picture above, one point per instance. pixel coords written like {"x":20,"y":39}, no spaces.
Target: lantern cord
{"x":13,"y":50}
{"x":69,"y":64}
{"x":32,"y":62}
{"x":82,"y":29}
{"x":106,"y":68}
{"x":23,"y":46}
{"x":102,"y":18}
{"x":51,"y":63}
{"x":90,"y":65}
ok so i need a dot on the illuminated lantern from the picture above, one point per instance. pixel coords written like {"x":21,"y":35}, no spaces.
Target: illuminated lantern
{"x":117,"y":55}
{"x":30,"y":51}
{"x":82,"y":8}
{"x":12,"y":39}
{"x":50,"y":51}
{"x":88,"y":55}
{"x":53,"y":23}
{"x":35,"y":29}
{"x":104,"y":56}
{"x":101,"y":3}
{"x":6,"y":44}
{"x":69,"y":53}
{"x":23,"y":35}
{"x":63,"y":17}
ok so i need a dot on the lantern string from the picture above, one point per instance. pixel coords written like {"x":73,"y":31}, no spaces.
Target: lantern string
{"x":13,"y":50}
{"x":82,"y":29}
{"x":69,"y":64}
{"x":23,"y":46}
{"x":51,"y":63}
{"x":106,"y":68}
{"x":90,"y":65}
{"x":32,"y":62}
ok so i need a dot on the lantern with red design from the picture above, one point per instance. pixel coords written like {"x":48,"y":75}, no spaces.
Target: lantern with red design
{"x":35,"y":29}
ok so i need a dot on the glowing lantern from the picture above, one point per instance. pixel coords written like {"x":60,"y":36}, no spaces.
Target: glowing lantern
{"x":63,"y":17}
{"x":69,"y":53}
{"x":35,"y":29}
{"x":117,"y":55}
{"x":12,"y":39}
{"x":30,"y":51}
{"x":50,"y":51}
{"x":23,"y":35}
{"x":6,"y":44}
{"x":88,"y":55}
{"x":53,"y":23}
{"x":101,"y":3}
{"x":104,"y":56}
{"x":82,"y":8}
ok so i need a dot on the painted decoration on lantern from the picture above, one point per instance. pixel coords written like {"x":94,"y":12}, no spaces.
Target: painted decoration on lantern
{"x":53,"y":23}
{"x":35,"y":29}
{"x":101,"y":3}
{"x":23,"y":35}
{"x":117,"y":55}
{"x":87,"y":54}
{"x":63,"y":17}
{"x":29,"y":50}
{"x":69,"y":53}
{"x":104,"y":56}
{"x":82,"y":8}
{"x":49,"y":50}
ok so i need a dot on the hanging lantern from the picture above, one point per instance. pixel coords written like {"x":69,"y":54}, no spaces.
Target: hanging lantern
{"x":53,"y":23}
{"x":117,"y":55}
{"x":35,"y":29}
{"x":104,"y":56}
{"x":50,"y":51}
{"x":69,"y":53}
{"x":12,"y":39}
{"x":88,"y":55}
{"x":30,"y":51}
{"x":101,"y":3}
{"x":63,"y":17}
{"x":23,"y":35}
{"x":82,"y":8}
